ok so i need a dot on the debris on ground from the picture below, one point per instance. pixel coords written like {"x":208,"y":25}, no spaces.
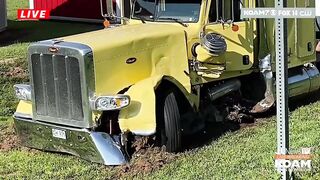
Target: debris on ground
{"x":12,"y":68}
{"x":145,"y":159}
{"x":238,"y":114}
{"x":14,"y":72}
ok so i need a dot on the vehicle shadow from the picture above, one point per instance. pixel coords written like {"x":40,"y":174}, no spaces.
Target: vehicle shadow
{"x":210,"y":133}
{"x":297,"y":102}
{"x":214,"y":131}
{"x":31,"y":31}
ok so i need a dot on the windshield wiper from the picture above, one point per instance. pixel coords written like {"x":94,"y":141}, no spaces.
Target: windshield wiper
{"x":175,"y":20}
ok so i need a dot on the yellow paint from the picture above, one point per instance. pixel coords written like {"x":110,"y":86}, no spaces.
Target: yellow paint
{"x":24,"y":108}
{"x":140,"y":116}
{"x":159,"y":50}
{"x":239,"y":44}
{"x":300,"y":33}
{"x":163,"y":50}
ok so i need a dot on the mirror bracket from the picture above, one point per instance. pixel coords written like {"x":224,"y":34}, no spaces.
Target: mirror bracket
{"x":109,"y":12}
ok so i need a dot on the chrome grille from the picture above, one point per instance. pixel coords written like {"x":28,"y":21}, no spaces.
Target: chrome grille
{"x":57,"y":87}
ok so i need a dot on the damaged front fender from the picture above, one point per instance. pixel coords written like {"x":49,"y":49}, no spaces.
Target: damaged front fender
{"x":140,"y":116}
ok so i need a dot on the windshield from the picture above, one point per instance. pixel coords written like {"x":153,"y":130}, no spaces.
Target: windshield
{"x":161,"y":10}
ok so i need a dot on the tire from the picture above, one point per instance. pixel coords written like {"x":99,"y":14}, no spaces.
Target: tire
{"x":168,"y":122}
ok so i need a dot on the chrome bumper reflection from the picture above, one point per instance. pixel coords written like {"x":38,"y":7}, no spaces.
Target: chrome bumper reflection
{"x":93,"y":146}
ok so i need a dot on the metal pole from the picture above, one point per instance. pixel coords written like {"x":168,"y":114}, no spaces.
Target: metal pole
{"x":282,"y":85}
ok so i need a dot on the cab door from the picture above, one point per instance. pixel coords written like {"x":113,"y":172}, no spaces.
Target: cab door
{"x":224,"y":18}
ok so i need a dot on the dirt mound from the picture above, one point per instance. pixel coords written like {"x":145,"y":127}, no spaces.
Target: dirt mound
{"x":13,"y":68}
{"x":15,"y":72}
{"x":146,"y":159}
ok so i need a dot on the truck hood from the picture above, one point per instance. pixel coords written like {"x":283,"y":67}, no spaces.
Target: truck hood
{"x":127,"y":54}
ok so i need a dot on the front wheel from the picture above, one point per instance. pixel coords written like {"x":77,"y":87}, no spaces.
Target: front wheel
{"x":168,"y":117}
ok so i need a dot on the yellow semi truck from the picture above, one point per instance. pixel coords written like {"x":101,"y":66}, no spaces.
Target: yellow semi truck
{"x":89,"y":93}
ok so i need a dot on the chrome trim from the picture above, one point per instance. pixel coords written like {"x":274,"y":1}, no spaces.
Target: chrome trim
{"x":224,"y":89}
{"x":214,"y":43}
{"x":27,"y":87}
{"x":94,"y":99}
{"x":83,"y":54}
{"x":304,"y":81}
{"x":269,"y":95}
{"x":22,"y":115}
{"x":301,"y":80}
{"x":93,"y":146}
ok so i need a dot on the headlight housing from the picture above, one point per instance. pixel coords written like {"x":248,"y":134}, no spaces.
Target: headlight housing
{"x":107,"y":103}
{"x":23,"y":91}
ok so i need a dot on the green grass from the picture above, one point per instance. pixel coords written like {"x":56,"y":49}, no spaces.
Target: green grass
{"x":245,"y":154}
{"x":11,"y":72}
{"x":248,"y":154}
{"x":14,"y":43}
{"x":21,"y":163}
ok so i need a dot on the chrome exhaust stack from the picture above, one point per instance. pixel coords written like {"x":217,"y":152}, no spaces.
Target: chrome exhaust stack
{"x":224,"y":89}
{"x":269,"y":95}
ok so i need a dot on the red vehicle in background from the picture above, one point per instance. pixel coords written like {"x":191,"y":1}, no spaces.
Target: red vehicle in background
{"x":75,"y":10}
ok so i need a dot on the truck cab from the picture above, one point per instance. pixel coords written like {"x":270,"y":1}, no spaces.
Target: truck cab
{"x":90,"y":93}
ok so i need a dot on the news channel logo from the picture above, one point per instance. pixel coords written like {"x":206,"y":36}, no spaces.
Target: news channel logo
{"x":281,"y":12}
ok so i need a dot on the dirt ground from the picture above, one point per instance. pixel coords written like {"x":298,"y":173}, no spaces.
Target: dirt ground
{"x":8,"y":138}
{"x":144,"y":161}
{"x":146,"y":158}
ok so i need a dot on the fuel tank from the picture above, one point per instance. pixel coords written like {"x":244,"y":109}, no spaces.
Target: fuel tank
{"x":303,"y":80}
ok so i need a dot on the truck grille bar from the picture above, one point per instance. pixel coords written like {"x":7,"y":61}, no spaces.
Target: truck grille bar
{"x":62,"y":83}
{"x":57,"y":86}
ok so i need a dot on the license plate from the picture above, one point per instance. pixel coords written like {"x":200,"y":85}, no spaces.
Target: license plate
{"x":57,"y":133}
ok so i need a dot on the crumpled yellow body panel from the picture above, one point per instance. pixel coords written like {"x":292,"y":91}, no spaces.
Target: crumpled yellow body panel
{"x":159,"y":49}
{"x":140,"y":116}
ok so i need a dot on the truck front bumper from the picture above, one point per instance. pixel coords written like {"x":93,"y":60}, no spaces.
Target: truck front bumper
{"x":93,"y":146}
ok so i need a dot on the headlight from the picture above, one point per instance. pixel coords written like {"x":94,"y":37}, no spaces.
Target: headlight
{"x":107,"y":103}
{"x":23,"y":91}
